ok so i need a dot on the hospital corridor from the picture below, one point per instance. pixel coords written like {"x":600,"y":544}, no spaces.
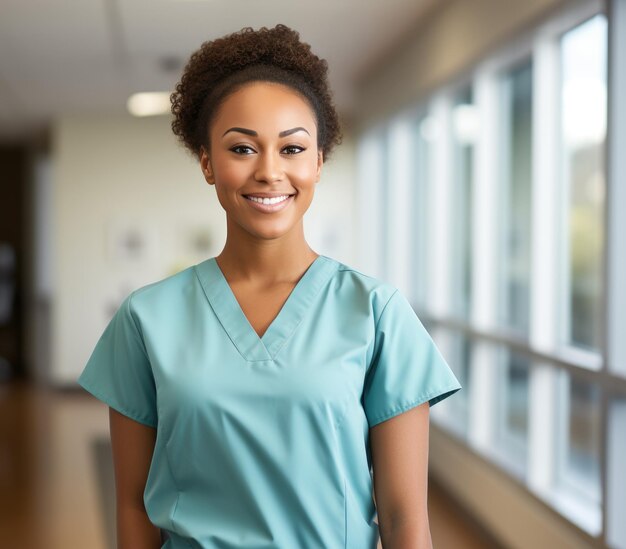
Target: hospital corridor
{"x":473,"y":216}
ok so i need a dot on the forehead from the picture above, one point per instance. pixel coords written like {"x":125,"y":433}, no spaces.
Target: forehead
{"x":268,"y":105}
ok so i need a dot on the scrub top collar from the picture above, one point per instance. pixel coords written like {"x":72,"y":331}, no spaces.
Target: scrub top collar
{"x":235,"y":323}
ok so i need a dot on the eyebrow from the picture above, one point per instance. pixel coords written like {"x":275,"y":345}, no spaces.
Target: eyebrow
{"x":284,"y":133}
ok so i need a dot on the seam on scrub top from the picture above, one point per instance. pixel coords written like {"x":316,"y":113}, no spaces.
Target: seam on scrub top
{"x":291,"y":332}
{"x":355,"y":270}
{"x":288,"y":337}
{"x":404,"y":407}
{"x":206,"y":292}
{"x":376,"y":323}
{"x":139,"y":333}
{"x":175,"y":483}
{"x":383,"y":311}
{"x":174,"y":529}
{"x":142,"y":344}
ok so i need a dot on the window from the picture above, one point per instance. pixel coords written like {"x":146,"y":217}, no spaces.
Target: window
{"x":515,"y":211}
{"x":512,"y":415}
{"x":508,"y":177}
{"x":579,"y":450}
{"x":456,"y":348}
{"x":583,"y":131}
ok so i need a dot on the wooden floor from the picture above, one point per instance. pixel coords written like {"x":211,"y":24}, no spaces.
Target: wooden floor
{"x":51,"y":485}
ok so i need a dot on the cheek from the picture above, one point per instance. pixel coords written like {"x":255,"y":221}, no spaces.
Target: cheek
{"x":304,"y":173}
{"x":231,"y":174}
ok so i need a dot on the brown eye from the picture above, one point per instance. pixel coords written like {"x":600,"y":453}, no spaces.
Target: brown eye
{"x":241,"y":149}
{"x":293,"y":149}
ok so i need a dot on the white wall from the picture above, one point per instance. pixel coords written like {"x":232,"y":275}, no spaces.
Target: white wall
{"x":112,"y":172}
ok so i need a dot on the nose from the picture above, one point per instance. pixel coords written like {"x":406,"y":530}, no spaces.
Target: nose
{"x":269,"y":167}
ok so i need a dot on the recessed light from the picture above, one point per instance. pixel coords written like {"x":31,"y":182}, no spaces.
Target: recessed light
{"x":148,"y":103}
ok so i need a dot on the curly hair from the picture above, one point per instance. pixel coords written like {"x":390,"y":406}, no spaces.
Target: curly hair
{"x":222,"y":66}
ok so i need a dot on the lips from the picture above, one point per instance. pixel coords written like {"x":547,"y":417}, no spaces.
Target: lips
{"x":268,"y":195}
{"x":270,"y":208}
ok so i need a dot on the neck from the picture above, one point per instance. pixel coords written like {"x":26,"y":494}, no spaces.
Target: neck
{"x":263,"y":262}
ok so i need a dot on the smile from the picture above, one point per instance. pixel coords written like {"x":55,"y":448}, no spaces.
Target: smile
{"x":274,"y":200}
{"x":269,"y":205}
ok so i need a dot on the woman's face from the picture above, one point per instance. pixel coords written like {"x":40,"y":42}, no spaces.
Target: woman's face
{"x":263,"y":144}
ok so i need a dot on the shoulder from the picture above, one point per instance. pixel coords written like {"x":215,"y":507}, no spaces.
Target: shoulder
{"x":362,"y":286}
{"x":163,"y":293}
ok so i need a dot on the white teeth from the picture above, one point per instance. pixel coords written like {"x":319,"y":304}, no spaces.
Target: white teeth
{"x":274,"y":200}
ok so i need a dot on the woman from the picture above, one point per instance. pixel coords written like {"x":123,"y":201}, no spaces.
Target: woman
{"x":252,"y":394}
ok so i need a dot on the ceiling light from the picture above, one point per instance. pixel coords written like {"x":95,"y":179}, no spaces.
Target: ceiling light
{"x":148,"y":103}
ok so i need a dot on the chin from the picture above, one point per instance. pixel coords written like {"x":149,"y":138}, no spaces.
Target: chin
{"x":272,"y":232}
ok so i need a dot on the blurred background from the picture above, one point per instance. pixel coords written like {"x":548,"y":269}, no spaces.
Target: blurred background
{"x":483,"y":172}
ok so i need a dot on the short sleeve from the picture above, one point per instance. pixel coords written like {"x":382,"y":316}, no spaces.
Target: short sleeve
{"x":119,"y":372}
{"x":407,"y":368}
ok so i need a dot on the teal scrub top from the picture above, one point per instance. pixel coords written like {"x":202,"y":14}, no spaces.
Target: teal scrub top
{"x":263,"y":442}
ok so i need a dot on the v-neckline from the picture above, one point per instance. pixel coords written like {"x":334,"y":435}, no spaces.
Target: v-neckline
{"x":235,"y":323}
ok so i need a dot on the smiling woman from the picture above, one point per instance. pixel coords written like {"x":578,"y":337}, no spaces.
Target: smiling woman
{"x":272,"y":165}
{"x":243,"y":390}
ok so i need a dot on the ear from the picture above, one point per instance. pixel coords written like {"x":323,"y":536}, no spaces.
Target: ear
{"x":320,"y":163}
{"x":205,"y":165}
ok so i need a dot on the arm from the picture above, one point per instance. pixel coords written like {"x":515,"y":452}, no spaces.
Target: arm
{"x":133,"y":445}
{"x":400,"y":464}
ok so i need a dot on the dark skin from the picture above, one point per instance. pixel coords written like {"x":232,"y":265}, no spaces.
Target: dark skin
{"x":264,"y":257}
{"x":132,"y":444}
{"x":265,"y":253}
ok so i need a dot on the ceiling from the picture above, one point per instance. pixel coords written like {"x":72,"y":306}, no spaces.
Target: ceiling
{"x":84,"y":56}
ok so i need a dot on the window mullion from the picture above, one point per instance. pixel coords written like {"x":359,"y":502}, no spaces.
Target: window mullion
{"x":440,"y":201}
{"x":614,"y":478}
{"x":370,"y":168}
{"x":485,"y":386}
{"x":543,"y":383}
{"x":399,"y":187}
